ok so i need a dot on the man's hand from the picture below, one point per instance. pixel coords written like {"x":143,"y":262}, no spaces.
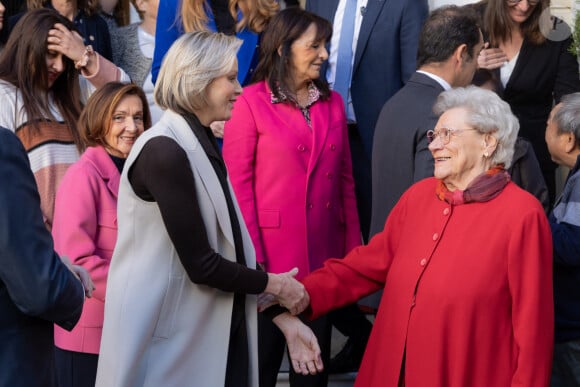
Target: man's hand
{"x":82,"y":274}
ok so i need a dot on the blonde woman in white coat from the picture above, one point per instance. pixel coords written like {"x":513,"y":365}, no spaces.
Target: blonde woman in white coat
{"x":183,"y":272}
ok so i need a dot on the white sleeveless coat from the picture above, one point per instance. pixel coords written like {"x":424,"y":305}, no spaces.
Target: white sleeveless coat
{"x":160,"y":329}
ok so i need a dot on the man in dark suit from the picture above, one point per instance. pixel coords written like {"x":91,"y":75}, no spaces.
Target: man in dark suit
{"x":384,"y":58}
{"x":383,"y":52}
{"x":37,"y":289}
{"x":447,"y":57}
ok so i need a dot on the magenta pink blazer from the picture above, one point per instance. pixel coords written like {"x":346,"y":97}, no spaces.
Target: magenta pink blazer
{"x":85,"y":230}
{"x":294,"y":184}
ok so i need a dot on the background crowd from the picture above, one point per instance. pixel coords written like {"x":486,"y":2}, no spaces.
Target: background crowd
{"x":227,"y":180}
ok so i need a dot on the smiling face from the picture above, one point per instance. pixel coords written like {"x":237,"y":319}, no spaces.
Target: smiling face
{"x":221,"y":94}
{"x":125,"y":126}
{"x":55,"y":66}
{"x":307,"y":56}
{"x":458,"y":162}
{"x":521,"y":11}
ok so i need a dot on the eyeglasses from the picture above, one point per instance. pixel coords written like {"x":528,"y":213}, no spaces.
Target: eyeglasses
{"x":531,"y":3}
{"x":444,"y":134}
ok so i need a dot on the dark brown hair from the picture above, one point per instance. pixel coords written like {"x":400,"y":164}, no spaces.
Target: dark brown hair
{"x":95,"y":120}
{"x":275,"y":48}
{"x":89,"y":7}
{"x":497,"y":22}
{"x":23,"y":64}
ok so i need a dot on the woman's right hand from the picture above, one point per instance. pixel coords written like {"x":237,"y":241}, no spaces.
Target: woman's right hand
{"x":289,"y":293}
{"x":68,"y":43}
{"x":491,"y":58}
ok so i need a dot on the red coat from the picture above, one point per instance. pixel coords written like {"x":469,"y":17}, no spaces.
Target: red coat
{"x":294,"y":184}
{"x":467,"y":292}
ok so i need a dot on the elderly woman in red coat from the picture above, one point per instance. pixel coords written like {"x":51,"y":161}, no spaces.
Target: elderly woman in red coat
{"x":465,"y":261}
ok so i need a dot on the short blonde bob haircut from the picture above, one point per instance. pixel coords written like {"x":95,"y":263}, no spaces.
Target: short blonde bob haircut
{"x":190,"y":65}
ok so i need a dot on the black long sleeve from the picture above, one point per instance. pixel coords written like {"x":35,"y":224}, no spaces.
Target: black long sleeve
{"x":162,"y":174}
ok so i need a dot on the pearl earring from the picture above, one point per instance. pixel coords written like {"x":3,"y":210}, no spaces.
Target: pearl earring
{"x":485,"y":154}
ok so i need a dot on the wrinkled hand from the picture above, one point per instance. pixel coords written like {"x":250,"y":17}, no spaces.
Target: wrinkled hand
{"x":217,"y":128}
{"x":266,"y":300}
{"x":82,"y":275}
{"x":302,"y":344}
{"x":491,"y":58}
{"x":288,"y":291}
{"x":69,"y":43}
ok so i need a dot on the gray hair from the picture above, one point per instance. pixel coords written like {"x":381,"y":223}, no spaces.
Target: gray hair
{"x":488,"y":114}
{"x":191,"y":64}
{"x":567,"y":118}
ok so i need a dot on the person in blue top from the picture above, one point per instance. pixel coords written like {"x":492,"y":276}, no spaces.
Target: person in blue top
{"x":563,"y":140}
{"x":243,"y":19}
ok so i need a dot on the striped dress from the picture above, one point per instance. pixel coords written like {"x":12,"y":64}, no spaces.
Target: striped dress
{"x":51,"y":150}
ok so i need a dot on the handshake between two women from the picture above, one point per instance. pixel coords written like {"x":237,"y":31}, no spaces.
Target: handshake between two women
{"x":284,"y":290}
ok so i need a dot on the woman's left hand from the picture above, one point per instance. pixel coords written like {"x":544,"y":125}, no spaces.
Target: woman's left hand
{"x":302,"y":344}
{"x":68,"y":43}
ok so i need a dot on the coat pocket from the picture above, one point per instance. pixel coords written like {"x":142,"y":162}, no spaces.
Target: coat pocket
{"x":269,"y":218}
{"x":169,"y":308}
{"x":107,"y":223}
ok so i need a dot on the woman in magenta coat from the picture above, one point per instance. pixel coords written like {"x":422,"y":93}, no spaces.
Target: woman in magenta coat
{"x":85,"y":220}
{"x":287,"y":152}
{"x":464,"y":261}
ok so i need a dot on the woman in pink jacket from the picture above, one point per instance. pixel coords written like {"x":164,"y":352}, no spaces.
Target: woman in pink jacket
{"x":85,"y":220}
{"x":287,"y":152}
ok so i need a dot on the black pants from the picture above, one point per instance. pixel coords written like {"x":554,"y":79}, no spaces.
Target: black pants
{"x":361,"y":172}
{"x":75,"y":369}
{"x":271,"y":345}
{"x":351,"y":322}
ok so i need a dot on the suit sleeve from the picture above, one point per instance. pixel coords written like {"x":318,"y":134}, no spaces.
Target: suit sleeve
{"x":166,"y":32}
{"x":36,"y":280}
{"x":74,"y":228}
{"x":530,"y":282}
{"x":240,"y":143}
{"x":414,"y":14}
{"x":527,"y":174}
{"x":351,"y":219}
{"x":423,"y":157}
{"x":567,"y":78}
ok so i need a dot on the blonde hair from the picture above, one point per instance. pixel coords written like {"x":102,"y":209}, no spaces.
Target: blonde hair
{"x":255,"y":14}
{"x":191,"y":64}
